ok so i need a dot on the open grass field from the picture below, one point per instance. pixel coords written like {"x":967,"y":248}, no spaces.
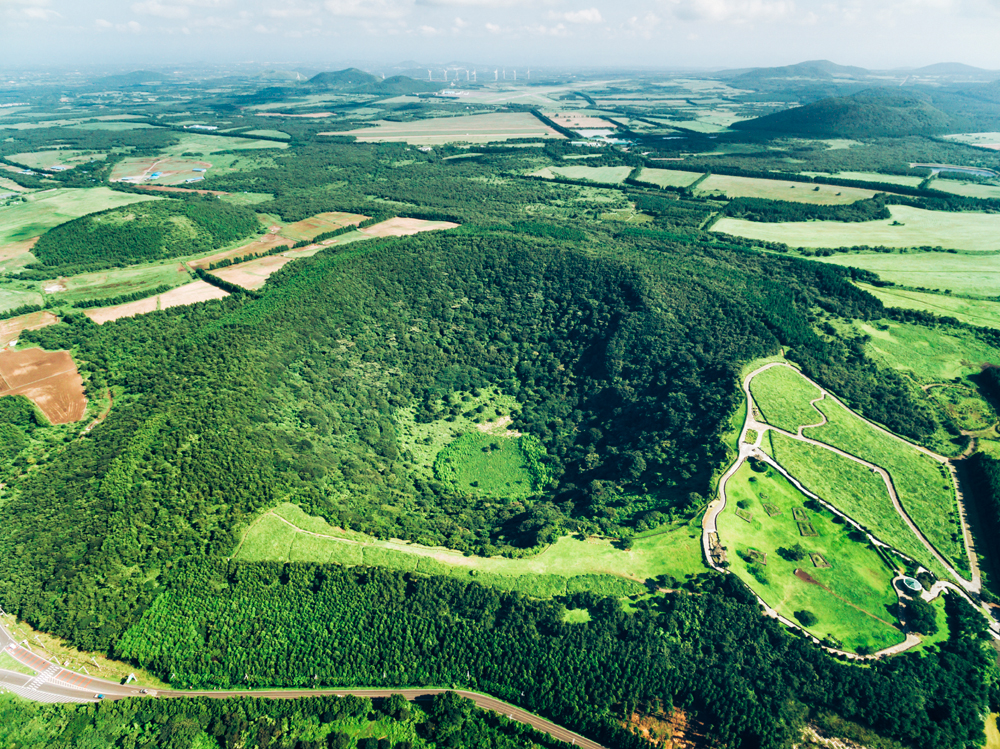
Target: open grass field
{"x":48,"y":378}
{"x":476,"y":128}
{"x":56,"y":158}
{"x":976,"y":232}
{"x":783,"y":397}
{"x":111,"y":283}
{"x":891,"y":179}
{"x":404,"y":227}
{"x":191,"y":293}
{"x":668,"y":177}
{"x":13,"y":298}
{"x":570,"y":564}
{"x":928,"y":354}
{"x":968,"y":189}
{"x":977,"y":274}
{"x":320,"y":223}
{"x":9,"y":185}
{"x":269,"y":134}
{"x":488,"y":464}
{"x":11,"y":328}
{"x":851,"y":599}
{"x":852,"y":489}
{"x":205,"y":145}
{"x":776,"y":189}
{"x":924,"y":487}
{"x":972,"y":311}
{"x":253,"y":274}
{"x":48,"y":208}
{"x":980,"y":140}
{"x":610,"y":174}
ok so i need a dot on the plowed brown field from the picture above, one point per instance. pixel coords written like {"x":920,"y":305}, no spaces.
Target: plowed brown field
{"x":189,"y":293}
{"x":403,"y":227}
{"x":267,"y":242}
{"x":10,"y":330}
{"x":253,"y":274}
{"x":49,"y":378}
{"x":320,"y":223}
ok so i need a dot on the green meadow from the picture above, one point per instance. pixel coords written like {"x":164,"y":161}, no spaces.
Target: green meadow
{"x":928,"y":354}
{"x":783,"y":397}
{"x":976,"y":274}
{"x":668,"y":177}
{"x":977,"y":312}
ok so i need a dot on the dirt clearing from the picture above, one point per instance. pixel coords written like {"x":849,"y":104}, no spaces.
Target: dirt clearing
{"x":49,"y":378}
{"x":10,"y":329}
{"x":253,"y":274}
{"x":403,"y":227}
{"x":191,"y":293}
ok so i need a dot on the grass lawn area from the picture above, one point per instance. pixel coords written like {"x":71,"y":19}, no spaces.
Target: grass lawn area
{"x":851,"y":599}
{"x":942,"y":621}
{"x":968,"y":189}
{"x":668,"y":177}
{"x":488,"y":464}
{"x":924,"y":487}
{"x":43,"y":210}
{"x":854,"y":490}
{"x":889,"y":179}
{"x":8,"y":663}
{"x":972,"y":311}
{"x":930,"y":355}
{"x":609,"y":174}
{"x":568,"y":565}
{"x":976,"y":232}
{"x":782,"y":395}
{"x":776,"y":189}
{"x":111,"y":283}
{"x":977,"y":274}
{"x":12,"y":298}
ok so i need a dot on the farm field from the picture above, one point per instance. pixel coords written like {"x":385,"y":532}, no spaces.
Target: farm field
{"x":576,"y":121}
{"x":854,"y":490}
{"x":977,"y":232}
{"x":783,"y":398}
{"x":924,"y":487}
{"x":48,"y":378}
{"x":259,"y":246}
{"x":13,"y":298}
{"x":930,"y":355}
{"x":609,"y":174}
{"x":320,"y":223}
{"x":211,"y":144}
{"x":776,"y":189}
{"x":11,"y":328}
{"x":269,"y":133}
{"x":892,"y":179}
{"x":981,"y":140}
{"x":11,"y":186}
{"x":972,"y":311}
{"x":173,"y":171}
{"x":404,"y":227}
{"x":850,"y":599}
{"x":476,"y":128}
{"x":111,"y":283}
{"x":668,"y":177}
{"x":196,"y":291}
{"x":253,"y":274}
{"x":48,"y":208}
{"x":968,"y":189}
{"x":570,"y":564}
{"x":977,"y":274}
{"x":56,"y":157}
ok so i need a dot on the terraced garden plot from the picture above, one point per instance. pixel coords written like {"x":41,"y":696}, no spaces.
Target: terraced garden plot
{"x":925,"y":489}
{"x":850,"y":599}
{"x":783,"y":397}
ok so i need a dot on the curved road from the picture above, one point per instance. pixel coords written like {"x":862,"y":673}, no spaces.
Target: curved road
{"x":53,"y":683}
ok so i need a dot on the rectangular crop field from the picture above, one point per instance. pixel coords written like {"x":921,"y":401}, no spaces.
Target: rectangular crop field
{"x":476,"y":128}
{"x":609,"y":174}
{"x":404,"y":227}
{"x":783,"y":397}
{"x":924,"y":487}
{"x":578,"y":120}
{"x":776,"y":189}
{"x":668,"y":177}
{"x":56,"y":158}
{"x":196,"y":291}
{"x":320,"y":223}
{"x":977,"y":232}
{"x":254,"y":273}
{"x":112,"y":283}
{"x":964,"y":274}
{"x":849,"y":598}
{"x":258,"y":247}
{"x":11,"y":328}
{"x":971,"y":311}
{"x":48,"y":208}
{"x":48,"y":378}
{"x":891,"y":179}
{"x":968,"y":189}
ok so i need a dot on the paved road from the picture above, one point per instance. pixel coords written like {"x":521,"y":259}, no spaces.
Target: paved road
{"x":53,"y":683}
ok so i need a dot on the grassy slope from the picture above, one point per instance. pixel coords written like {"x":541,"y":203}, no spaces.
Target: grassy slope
{"x":971,"y":311}
{"x":51,"y":207}
{"x":857,"y":576}
{"x":783,"y":397}
{"x":924,"y":491}
{"x":567,"y":565}
{"x":963,"y":274}
{"x":931,"y":355}
{"x":613,"y":174}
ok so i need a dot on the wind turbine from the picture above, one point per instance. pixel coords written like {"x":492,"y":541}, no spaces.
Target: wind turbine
{"x":495,"y":78}
{"x":515,"y":75}
{"x":505,"y":74}
{"x":430,"y":76}
{"x":446,"y":74}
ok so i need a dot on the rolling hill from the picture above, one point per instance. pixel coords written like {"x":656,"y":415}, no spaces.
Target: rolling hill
{"x":358,"y":81}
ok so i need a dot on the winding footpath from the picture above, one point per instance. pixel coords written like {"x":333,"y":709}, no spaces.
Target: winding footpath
{"x":754,"y":422}
{"x":53,"y":683}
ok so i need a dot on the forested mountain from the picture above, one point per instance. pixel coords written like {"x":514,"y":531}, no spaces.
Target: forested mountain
{"x":358,"y":81}
{"x":870,"y":113}
{"x":819,"y":69}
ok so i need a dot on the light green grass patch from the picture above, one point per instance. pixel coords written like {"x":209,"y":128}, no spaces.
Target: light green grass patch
{"x":576,"y":616}
{"x":783,"y":397}
{"x":111,"y":283}
{"x":924,"y":487}
{"x":941,"y":617}
{"x":9,"y":663}
{"x":269,"y":134}
{"x":606,"y":174}
{"x":967,"y":189}
{"x":668,"y":177}
{"x":972,"y":311}
{"x":246,"y":198}
{"x":851,"y":599}
{"x":976,"y":232}
{"x":492,"y":465}
{"x":976,"y":274}
{"x":205,"y":145}
{"x":113,"y":126}
{"x":854,"y":490}
{"x":568,"y":564}
{"x":890,"y":179}
{"x":43,"y":210}
{"x":776,"y":189}
{"x":929,"y":354}
{"x":56,"y":157}
{"x":11,"y":298}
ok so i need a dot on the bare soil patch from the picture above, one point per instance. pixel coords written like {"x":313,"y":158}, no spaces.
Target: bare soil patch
{"x":807,"y":578}
{"x":573,"y":121}
{"x":268,"y":242}
{"x":49,"y":378}
{"x":320,"y":223}
{"x":403,"y":227}
{"x":498,"y":427}
{"x":191,"y":293}
{"x":253,"y":274}
{"x":10,"y":329}
{"x":13,"y":249}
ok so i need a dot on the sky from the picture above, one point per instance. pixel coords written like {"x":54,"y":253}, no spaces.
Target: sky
{"x":564,"y":33}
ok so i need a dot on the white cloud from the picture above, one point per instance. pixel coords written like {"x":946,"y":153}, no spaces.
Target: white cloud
{"x":388,"y":9}
{"x":733,"y":11}
{"x":477,"y":3}
{"x":29,"y":10}
{"x":590,"y":15}
{"x":493,"y":28}
{"x":428,"y":30}
{"x":161,"y":10}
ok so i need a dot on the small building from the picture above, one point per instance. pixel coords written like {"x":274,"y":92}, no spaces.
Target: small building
{"x":199,"y":169}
